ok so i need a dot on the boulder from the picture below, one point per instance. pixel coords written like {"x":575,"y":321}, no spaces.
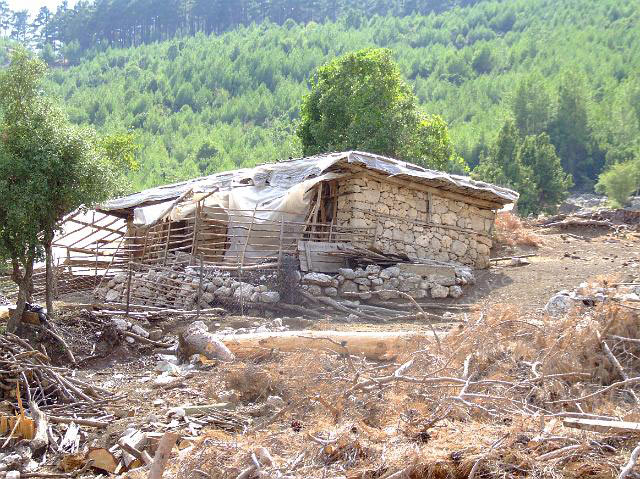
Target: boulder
{"x":320,"y":279}
{"x":438,"y":291}
{"x":140,"y":331}
{"x":331,"y":292}
{"x":348,"y":287}
{"x":269,"y":297}
{"x":390,"y":272}
{"x":223,"y":292}
{"x":243,"y":292}
{"x":559,"y":304}
{"x":455,"y":291}
{"x":112,"y":296}
{"x":314,"y":290}
{"x":120,"y":278}
{"x":372,"y":269}
{"x":347,"y":273}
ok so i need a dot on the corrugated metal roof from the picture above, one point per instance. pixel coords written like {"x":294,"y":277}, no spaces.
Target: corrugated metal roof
{"x":285,"y":174}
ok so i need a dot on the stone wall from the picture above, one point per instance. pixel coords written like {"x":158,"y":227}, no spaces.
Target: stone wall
{"x":375,"y":283}
{"x":405,"y":223}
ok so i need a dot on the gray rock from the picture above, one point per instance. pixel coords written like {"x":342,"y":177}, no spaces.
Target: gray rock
{"x":331,"y":292}
{"x":207,"y":297}
{"x":390,"y":272}
{"x":314,"y":290}
{"x":377,"y":282}
{"x":360,"y":273}
{"x":455,"y":291}
{"x":121,"y":324}
{"x":348,"y":287}
{"x":223,"y":292}
{"x":418,"y":294}
{"x":320,"y":279}
{"x":120,"y":278}
{"x":373,"y":269}
{"x":112,"y":296}
{"x":243,"y":292}
{"x":275,"y":401}
{"x":364,"y":288}
{"x":269,"y":297}
{"x":218,"y":281}
{"x":363,"y":281}
{"x":388,"y":294}
{"x":255,"y":296}
{"x":140,"y":331}
{"x":438,"y":291}
{"x":559,"y":304}
{"x":347,"y":273}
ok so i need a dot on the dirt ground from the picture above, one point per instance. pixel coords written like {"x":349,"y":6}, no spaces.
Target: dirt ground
{"x":562,"y":262}
{"x":372,"y":432}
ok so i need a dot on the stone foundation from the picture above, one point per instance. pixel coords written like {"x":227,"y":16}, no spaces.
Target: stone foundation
{"x":416,"y":223}
{"x":417,"y":280}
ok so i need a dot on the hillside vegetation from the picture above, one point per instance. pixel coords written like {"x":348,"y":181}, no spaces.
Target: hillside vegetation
{"x":205,"y":103}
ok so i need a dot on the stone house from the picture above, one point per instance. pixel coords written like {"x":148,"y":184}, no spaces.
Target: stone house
{"x":319,"y":214}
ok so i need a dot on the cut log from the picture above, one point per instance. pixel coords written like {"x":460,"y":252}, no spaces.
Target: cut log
{"x":598,"y":425}
{"x":40,"y":442}
{"x":131,"y":446}
{"x":196,"y":339}
{"x":162,"y":454}
{"x":375,"y":345}
{"x":102,"y":459}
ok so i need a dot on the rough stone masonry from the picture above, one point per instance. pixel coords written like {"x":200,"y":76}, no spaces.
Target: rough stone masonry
{"x":413,"y":222}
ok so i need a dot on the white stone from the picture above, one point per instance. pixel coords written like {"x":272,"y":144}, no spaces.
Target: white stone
{"x":121,"y":324}
{"x":438,"y":291}
{"x":140,"y":331}
{"x":320,"y":279}
{"x":458,"y":248}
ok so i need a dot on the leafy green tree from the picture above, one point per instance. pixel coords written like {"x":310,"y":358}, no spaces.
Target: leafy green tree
{"x":530,"y":166}
{"x":620,"y":181}
{"x":571,"y":132}
{"x":544,"y":171}
{"x":48,"y":168}
{"x":531,"y":106}
{"x":360,"y":101}
{"x":501,"y":165}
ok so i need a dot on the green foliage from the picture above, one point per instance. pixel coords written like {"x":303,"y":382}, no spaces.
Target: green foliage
{"x":247,"y":81}
{"x":528,"y":164}
{"x":48,"y":167}
{"x":620,"y":181}
{"x":546,"y":183}
{"x":361,"y":102}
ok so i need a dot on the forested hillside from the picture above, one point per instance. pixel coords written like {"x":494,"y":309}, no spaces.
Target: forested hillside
{"x":201,"y":103}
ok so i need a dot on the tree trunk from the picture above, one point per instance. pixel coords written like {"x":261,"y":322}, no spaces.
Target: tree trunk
{"x":25,"y":289}
{"x":49,"y":275}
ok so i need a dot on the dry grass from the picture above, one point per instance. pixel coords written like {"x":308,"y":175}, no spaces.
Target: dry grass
{"x":332,"y":428}
{"x":510,"y":230}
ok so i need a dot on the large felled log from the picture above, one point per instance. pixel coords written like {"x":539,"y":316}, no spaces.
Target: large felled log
{"x":374,"y":345}
{"x":196,"y":339}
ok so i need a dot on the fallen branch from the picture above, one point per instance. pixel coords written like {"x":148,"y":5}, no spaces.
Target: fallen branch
{"x":633,"y":459}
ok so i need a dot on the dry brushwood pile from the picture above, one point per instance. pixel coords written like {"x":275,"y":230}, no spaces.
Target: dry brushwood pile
{"x":501,"y":396}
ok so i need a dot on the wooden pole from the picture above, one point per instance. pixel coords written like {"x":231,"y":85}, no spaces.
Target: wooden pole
{"x":196,"y":224}
{"x":129,"y":289}
{"x":281,"y":242}
{"x":200,"y":287}
{"x":166,"y":248}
